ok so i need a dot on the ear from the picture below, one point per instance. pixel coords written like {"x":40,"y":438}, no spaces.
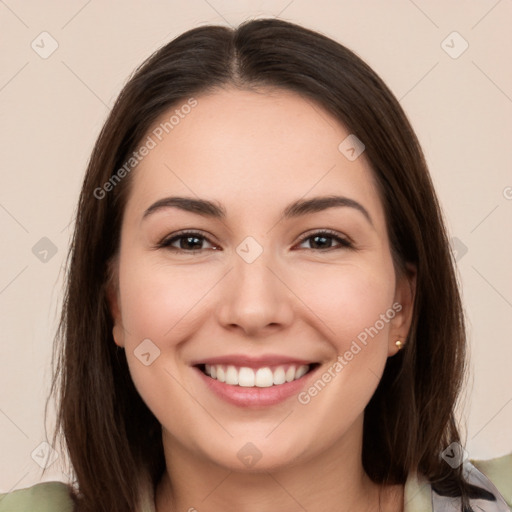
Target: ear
{"x":403,"y":305}
{"x":112,"y":295}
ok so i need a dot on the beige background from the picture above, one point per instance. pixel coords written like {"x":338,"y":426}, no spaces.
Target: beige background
{"x":52,"y":109}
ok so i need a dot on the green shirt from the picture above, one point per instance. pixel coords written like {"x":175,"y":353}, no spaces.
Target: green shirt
{"x":418,"y":497}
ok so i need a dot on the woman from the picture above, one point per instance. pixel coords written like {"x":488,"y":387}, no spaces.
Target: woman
{"x":262,"y":312}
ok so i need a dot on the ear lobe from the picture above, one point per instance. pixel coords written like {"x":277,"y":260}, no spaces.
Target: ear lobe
{"x":405,"y":293}
{"x":118,"y":335}
{"x":112,"y":297}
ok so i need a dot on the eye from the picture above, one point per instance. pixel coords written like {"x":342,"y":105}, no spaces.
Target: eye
{"x":186,"y":241}
{"x":322,"y":240}
{"x":192,"y":241}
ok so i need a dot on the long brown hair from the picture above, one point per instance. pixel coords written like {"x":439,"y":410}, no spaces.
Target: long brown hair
{"x":113,"y":440}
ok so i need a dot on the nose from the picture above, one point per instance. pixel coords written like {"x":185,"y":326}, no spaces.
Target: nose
{"x":255,"y":297}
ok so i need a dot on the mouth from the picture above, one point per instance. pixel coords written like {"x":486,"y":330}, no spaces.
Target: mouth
{"x":256,"y":376}
{"x":255,"y":382}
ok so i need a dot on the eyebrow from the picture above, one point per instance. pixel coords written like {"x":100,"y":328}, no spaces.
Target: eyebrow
{"x":296,"y":209}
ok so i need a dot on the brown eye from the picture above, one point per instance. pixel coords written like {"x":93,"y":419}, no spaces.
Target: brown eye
{"x":323,"y":240}
{"x":188,"y":241}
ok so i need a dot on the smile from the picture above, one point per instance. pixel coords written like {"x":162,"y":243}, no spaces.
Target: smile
{"x":248,"y":381}
{"x":263,"y":377}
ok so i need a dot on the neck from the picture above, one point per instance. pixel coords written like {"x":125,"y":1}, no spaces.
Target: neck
{"x":332,"y":480}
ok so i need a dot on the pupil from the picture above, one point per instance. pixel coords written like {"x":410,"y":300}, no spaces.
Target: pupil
{"x":188,"y":241}
{"x":319,"y":237}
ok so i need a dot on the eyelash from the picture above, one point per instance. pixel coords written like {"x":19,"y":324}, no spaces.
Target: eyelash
{"x":344,"y":243}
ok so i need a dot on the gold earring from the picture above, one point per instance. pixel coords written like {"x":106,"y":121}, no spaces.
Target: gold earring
{"x":399,"y":345}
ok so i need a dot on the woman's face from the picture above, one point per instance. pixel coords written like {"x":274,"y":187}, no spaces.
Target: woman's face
{"x":273,"y":281}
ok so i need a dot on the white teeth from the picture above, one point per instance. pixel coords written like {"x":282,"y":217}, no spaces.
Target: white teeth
{"x":246,"y":377}
{"x":221,"y":375}
{"x":290,"y":374}
{"x":279,"y":375}
{"x":249,"y":378}
{"x":264,"y":378}
{"x":301,"y":371}
{"x":231,"y":376}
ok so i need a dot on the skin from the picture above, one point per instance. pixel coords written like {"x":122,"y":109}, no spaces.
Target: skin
{"x":254,"y":153}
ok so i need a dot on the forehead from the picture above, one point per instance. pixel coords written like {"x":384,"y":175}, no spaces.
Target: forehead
{"x":250,"y":149}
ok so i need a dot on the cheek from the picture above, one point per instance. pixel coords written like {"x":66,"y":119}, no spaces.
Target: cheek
{"x":345,"y":302}
{"x":158,"y":302}
{"x":350,"y":300}
{"x":160,"y":307}
{"x":354,"y":303}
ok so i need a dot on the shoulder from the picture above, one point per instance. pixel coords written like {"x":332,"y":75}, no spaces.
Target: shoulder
{"x":499,"y":472}
{"x":43,"y":497}
{"x":492,"y":478}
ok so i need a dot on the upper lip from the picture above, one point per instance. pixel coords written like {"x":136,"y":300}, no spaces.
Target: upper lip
{"x":241,"y":360}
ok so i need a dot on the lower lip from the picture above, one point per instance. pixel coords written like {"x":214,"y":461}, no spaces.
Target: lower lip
{"x":255,"y":397}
